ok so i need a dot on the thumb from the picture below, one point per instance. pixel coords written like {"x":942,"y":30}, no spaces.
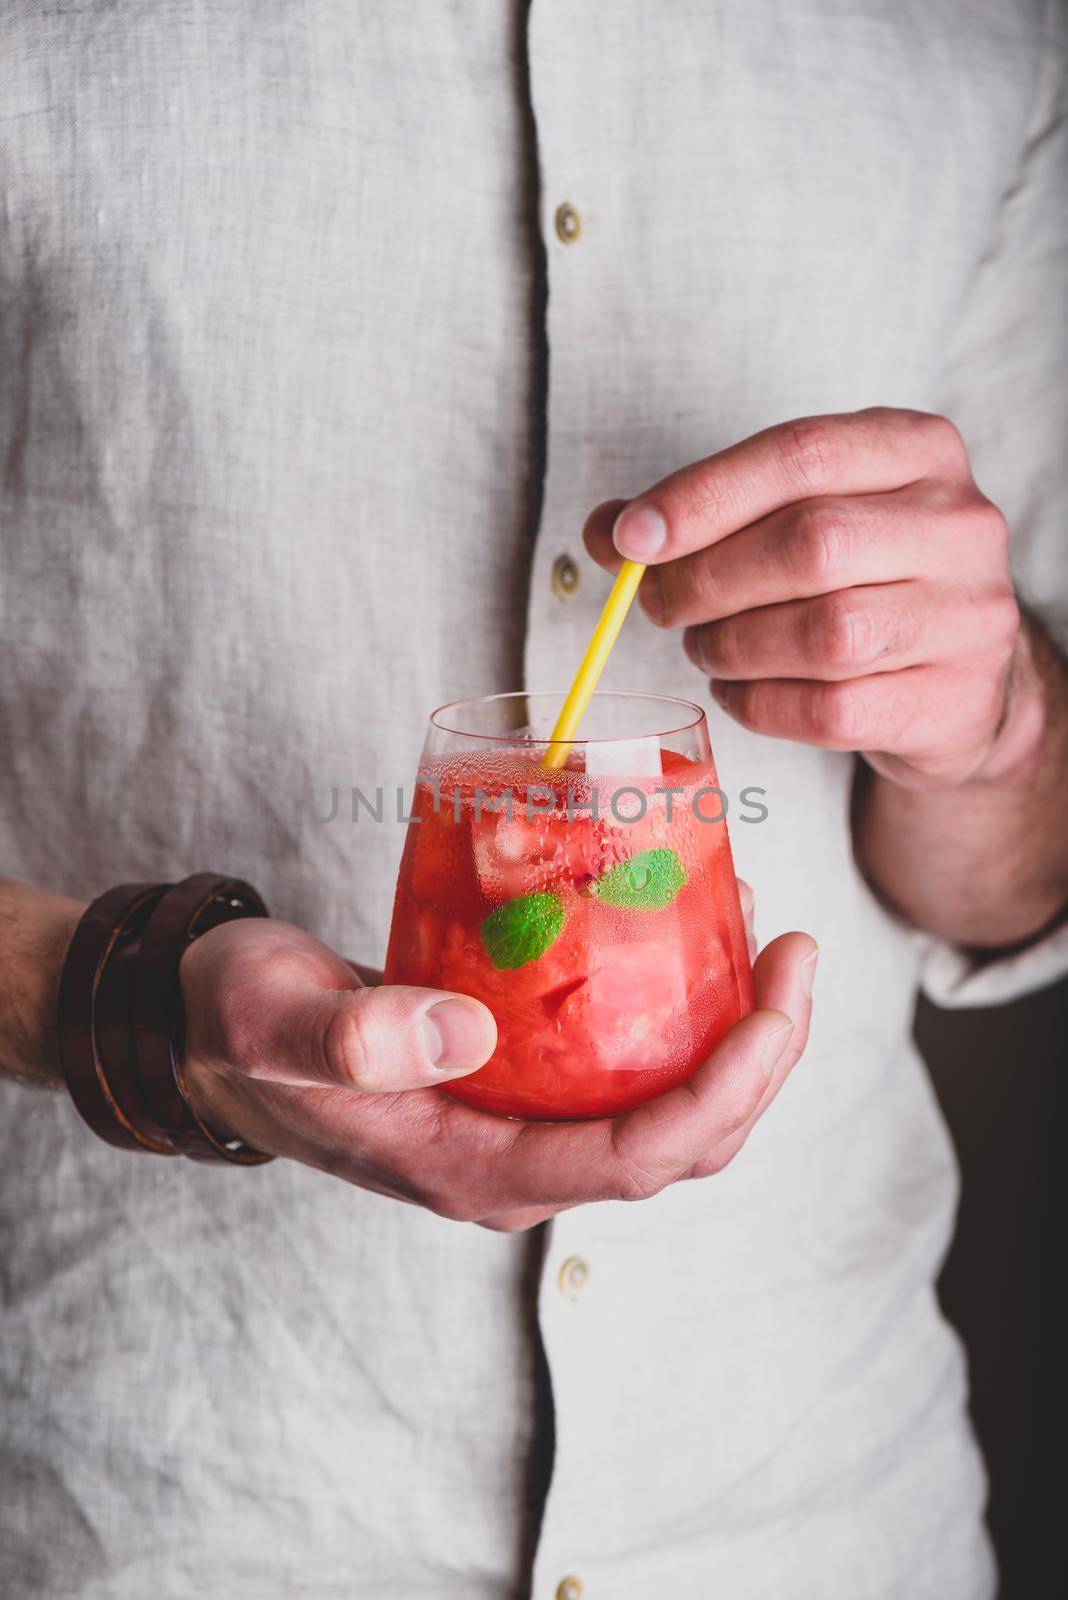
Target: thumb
{"x":390,"y":1037}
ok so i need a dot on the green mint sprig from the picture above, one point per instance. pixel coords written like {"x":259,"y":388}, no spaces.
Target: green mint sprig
{"x":522,"y":929}
{"x":647,"y":882}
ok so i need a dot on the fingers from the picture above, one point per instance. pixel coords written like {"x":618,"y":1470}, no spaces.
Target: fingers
{"x":920,"y":682}
{"x":813,"y":548}
{"x":784,"y":975}
{"x":597,"y":534}
{"x":281,"y":1015}
{"x":924,"y":714}
{"x":284,"y":1015}
{"x":635,"y":1156}
{"x":530,"y":1171}
{"x":472,"y":1167}
{"x":878,"y":622}
{"x":871,"y":713}
{"x":660,"y":1141}
{"x":836,"y":636}
{"x":395,"y":1037}
{"x":291,"y":1031}
{"x":864,"y":452}
{"x":267,"y":1000}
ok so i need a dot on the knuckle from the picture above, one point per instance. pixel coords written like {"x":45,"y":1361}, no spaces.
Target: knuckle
{"x":451,"y":1207}
{"x":720,"y":647}
{"x":816,"y":542}
{"x":747,"y":703}
{"x":943,"y":435}
{"x":729,"y":1149}
{"x":842,"y":631}
{"x":696,"y":642}
{"x":721,"y":1157}
{"x":833,"y":715}
{"x":1003,"y":619}
{"x":686,"y":589}
{"x":728,"y":1155}
{"x":700,"y":496}
{"x":236,"y":1027}
{"x":990,"y":701}
{"x":809,"y":450}
{"x":637,"y":1186}
{"x":883,"y":417}
{"x":989,"y":527}
{"x":345,"y":1049}
{"x":657,"y":598}
{"x":635,"y":1181}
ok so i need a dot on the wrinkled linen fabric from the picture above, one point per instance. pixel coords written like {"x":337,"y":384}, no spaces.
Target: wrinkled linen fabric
{"x":272,"y":363}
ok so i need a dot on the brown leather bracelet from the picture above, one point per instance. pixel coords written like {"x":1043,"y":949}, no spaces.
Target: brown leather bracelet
{"x":189,"y":909}
{"x":116,"y":1047}
{"x":120,"y":1015}
{"x":109,"y":926}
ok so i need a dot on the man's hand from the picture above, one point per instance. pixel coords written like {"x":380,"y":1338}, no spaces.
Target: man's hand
{"x":844,"y":583}
{"x":287,"y":1048}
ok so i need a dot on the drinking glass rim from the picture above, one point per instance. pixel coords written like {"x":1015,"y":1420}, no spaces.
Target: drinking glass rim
{"x":540,"y":694}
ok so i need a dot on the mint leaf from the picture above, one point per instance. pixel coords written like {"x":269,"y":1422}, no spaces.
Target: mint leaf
{"x":522,"y":929}
{"x":647,"y":882}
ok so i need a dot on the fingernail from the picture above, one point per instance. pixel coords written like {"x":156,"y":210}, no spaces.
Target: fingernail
{"x":774,"y":1045}
{"x":808,"y":973}
{"x":455,"y":1035}
{"x":640,"y":532}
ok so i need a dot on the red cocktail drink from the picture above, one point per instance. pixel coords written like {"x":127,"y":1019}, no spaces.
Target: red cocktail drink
{"x":594,"y":909}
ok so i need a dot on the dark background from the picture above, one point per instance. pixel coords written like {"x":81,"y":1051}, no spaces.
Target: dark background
{"x":999,"y":1076}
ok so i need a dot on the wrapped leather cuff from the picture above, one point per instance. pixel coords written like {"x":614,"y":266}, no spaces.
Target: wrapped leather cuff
{"x":121,"y":1018}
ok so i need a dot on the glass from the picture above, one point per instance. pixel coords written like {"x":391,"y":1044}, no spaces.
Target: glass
{"x":593,"y":909}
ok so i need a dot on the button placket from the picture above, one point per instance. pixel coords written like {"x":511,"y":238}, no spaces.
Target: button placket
{"x":564,"y":600}
{"x":558,"y":632}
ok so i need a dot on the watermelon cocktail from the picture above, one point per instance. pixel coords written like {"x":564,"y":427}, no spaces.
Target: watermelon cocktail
{"x":594,"y":909}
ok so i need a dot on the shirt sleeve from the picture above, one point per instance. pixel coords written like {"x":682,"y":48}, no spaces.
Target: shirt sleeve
{"x":1007,"y":390}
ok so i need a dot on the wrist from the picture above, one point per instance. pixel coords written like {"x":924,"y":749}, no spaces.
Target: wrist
{"x":120,"y":1015}
{"x":213,"y":1090}
{"x":1018,"y":743}
{"x":205,"y":1091}
{"x":36,"y":928}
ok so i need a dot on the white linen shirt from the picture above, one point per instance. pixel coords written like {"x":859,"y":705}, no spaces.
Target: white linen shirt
{"x":271,"y":374}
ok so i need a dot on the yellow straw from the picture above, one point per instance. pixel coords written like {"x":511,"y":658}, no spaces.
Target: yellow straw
{"x":597,"y":652}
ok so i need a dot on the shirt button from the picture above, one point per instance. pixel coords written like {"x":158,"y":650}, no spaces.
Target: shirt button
{"x":565,"y":577}
{"x":568,"y":223}
{"x":569,"y":1588}
{"x":572,"y":1279}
